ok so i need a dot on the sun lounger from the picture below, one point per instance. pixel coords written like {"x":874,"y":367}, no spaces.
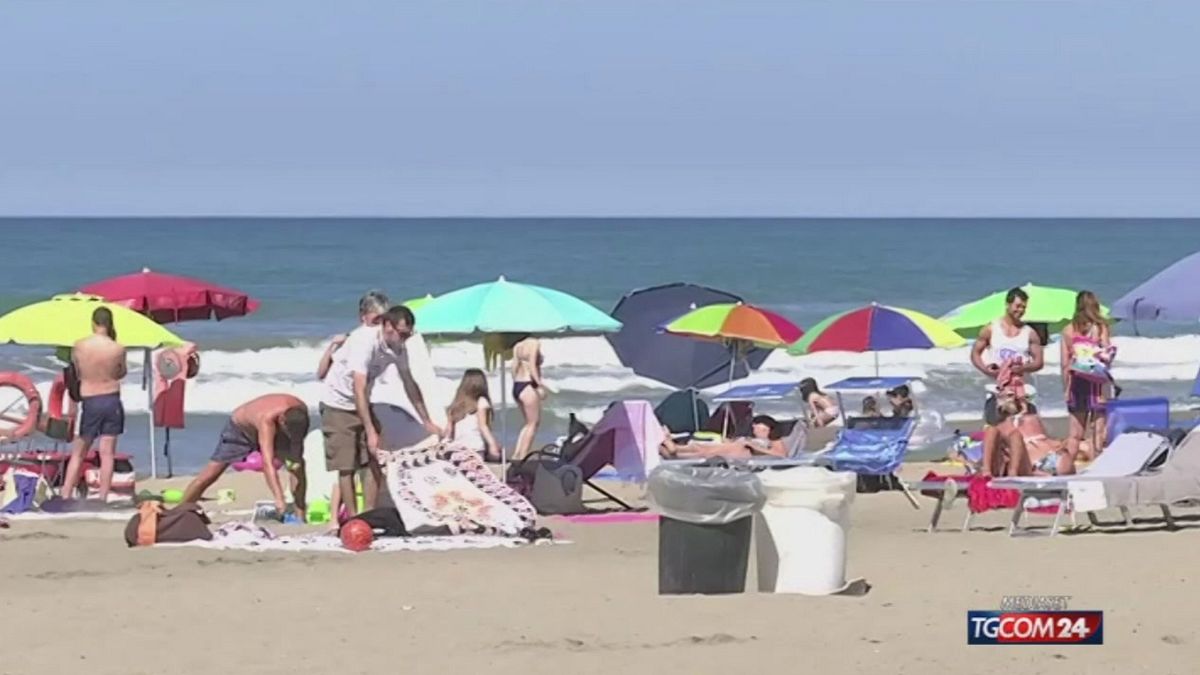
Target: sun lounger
{"x":1129,"y":454}
{"x":1176,"y":481}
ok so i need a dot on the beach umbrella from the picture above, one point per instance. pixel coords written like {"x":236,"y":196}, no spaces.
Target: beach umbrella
{"x":675,"y":360}
{"x":1047,"y":304}
{"x":63,"y":320}
{"x":416,"y":303}
{"x":170,"y":298}
{"x":736,"y":322}
{"x":737,"y":325}
{"x":495,"y":308}
{"x":876,"y":328}
{"x":1171,"y":295}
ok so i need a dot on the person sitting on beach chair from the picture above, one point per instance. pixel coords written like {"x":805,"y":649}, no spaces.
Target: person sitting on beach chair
{"x":762,"y":442}
{"x":273,"y":425}
{"x":901,"y":399}
{"x":1020,"y":444}
{"x":870,"y":407}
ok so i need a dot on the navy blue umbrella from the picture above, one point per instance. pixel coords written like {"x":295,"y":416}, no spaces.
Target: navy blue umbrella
{"x":674,"y":360}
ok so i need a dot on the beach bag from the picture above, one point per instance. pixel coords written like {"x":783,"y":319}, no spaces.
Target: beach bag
{"x":1089,"y":360}
{"x":23,"y":491}
{"x":153,"y":524}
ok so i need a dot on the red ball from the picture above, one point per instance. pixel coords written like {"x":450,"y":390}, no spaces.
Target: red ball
{"x":357,"y":535}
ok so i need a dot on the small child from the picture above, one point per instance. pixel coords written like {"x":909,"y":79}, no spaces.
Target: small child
{"x":870,"y":407}
{"x":901,"y":399}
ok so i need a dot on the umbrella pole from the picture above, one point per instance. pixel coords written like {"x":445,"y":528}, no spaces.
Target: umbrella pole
{"x":503,"y":421}
{"x":733,"y":359}
{"x":147,"y":382}
{"x":167,"y":453}
{"x":876,"y":364}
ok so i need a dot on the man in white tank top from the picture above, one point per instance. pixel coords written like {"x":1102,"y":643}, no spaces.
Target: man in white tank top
{"x":1007,"y":337}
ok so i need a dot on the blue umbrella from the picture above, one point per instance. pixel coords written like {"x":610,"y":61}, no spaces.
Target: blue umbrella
{"x":1171,"y":295}
{"x":674,"y":360}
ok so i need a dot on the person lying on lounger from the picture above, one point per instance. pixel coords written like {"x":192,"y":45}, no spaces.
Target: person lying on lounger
{"x":760,"y":443}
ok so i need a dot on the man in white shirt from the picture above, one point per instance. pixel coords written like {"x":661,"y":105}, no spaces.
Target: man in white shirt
{"x":351,"y":431}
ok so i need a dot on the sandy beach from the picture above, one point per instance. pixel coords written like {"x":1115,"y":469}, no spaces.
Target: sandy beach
{"x":587,"y":606}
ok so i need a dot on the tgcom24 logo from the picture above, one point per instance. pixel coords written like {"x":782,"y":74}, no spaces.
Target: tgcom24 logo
{"x":1035,"y":620}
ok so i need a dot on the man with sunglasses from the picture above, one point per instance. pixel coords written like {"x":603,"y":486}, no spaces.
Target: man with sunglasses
{"x":351,"y":430}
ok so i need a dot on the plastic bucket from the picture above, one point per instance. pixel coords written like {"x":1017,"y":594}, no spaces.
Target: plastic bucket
{"x":800,"y":532}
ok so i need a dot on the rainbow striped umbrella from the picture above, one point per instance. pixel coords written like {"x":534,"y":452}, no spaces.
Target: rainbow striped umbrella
{"x":736,"y":321}
{"x":877,"y":328}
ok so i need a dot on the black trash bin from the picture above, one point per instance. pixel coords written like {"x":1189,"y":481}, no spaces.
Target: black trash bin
{"x":704,"y":527}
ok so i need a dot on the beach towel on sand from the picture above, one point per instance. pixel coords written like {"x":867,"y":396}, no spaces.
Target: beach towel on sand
{"x":447,"y":489}
{"x":243,"y":536}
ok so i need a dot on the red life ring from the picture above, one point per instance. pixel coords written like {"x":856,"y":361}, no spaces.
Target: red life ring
{"x":28,"y":423}
{"x":54,"y":409}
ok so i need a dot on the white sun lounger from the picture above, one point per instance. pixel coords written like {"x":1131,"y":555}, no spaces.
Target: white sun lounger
{"x":1128,"y":455}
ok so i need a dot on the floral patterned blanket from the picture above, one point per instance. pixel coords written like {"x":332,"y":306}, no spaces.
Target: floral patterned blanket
{"x":447,"y":489}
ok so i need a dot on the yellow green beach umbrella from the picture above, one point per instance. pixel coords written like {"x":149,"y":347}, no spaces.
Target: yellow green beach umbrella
{"x":417,"y":303}
{"x":63,"y":320}
{"x":1047,"y":304}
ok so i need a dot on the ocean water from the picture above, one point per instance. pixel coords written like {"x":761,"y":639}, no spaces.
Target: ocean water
{"x":309,"y":273}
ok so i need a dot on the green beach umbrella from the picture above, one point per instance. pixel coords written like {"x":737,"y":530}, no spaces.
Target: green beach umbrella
{"x":64,"y":319}
{"x":1047,"y":304}
{"x":417,"y":303}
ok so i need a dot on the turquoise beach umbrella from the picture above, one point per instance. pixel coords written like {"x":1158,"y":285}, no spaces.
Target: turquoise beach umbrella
{"x":504,"y":306}
{"x":491,"y":309}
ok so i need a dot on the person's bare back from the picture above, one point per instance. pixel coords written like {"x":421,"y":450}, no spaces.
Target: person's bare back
{"x":100,"y":364}
{"x":250,"y":415}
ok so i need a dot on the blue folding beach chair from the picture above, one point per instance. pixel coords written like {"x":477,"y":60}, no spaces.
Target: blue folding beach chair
{"x":872,"y":446}
{"x":1137,"y":414}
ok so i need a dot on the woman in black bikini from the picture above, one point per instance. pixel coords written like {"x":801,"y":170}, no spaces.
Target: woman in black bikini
{"x":529,"y":390}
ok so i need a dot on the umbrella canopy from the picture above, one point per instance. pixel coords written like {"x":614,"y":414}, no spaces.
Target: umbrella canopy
{"x":417,"y":303}
{"x":504,"y":306}
{"x":876,"y":328}
{"x":736,"y":321}
{"x":1171,"y":295}
{"x":167,"y":298}
{"x":1047,"y":304}
{"x":65,"y":319}
{"x":675,"y":360}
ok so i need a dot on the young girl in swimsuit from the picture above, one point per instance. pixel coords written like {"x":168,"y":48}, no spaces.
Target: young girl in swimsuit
{"x":469,"y":416}
{"x":529,"y":389}
{"x":760,"y":443}
{"x":1085,"y":398}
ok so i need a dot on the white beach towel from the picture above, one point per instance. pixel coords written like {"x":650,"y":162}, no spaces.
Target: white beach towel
{"x":248,"y":537}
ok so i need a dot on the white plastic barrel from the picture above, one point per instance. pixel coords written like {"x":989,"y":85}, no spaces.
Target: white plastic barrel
{"x":800,"y":532}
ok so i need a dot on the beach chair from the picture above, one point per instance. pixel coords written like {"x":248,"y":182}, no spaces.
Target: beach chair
{"x":552,"y":478}
{"x":1175,"y":482}
{"x":872,"y":446}
{"x":1148,"y":414}
{"x":1131,"y":453}
{"x":740,"y":416}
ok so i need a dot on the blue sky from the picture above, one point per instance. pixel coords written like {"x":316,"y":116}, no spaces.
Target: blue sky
{"x":599,"y":108}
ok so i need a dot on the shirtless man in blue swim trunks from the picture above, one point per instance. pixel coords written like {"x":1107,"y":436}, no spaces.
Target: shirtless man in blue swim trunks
{"x":99,"y":362}
{"x":274,"y":425}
